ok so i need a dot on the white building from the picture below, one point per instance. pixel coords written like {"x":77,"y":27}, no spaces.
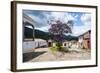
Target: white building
{"x":29,"y":46}
{"x":30,"y":43}
{"x":28,"y":23}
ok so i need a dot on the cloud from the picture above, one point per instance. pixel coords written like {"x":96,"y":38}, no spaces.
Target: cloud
{"x":46,"y":16}
{"x":81,"y":25}
{"x":40,"y":22}
{"x":63,"y":16}
{"x":86,"y":25}
{"x":86,"y":17}
{"x":45,"y":29}
{"x":78,"y":30}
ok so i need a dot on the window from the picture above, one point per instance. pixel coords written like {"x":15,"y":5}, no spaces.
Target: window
{"x":28,"y":31}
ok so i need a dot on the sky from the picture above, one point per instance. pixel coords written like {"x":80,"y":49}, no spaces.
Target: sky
{"x":82,"y":20}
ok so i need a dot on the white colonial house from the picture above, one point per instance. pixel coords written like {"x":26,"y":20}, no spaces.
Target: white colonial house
{"x":29,"y":42}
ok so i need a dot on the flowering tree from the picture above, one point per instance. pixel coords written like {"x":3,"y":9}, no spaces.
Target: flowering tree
{"x":58,"y":29}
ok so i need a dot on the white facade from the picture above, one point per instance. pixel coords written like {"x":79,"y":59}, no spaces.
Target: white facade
{"x":29,"y":46}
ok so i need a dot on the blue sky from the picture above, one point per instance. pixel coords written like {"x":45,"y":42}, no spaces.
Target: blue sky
{"x":82,"y":21}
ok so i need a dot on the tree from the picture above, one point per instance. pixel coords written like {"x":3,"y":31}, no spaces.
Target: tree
{"x":58,"y":29}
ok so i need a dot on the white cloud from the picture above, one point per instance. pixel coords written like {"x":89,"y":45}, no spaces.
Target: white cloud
{"x":78,"y":30}
{"x":64,"y":17}
{"x":86,"y":20}
{"x":39,"y":22}
{"x":44,"y":28}
{"x":76,"y":16}
{"x":86,"y":17}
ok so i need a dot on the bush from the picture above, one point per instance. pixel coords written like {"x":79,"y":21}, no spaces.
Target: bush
{"x":53,"y":49}
{"x":57,"y":47}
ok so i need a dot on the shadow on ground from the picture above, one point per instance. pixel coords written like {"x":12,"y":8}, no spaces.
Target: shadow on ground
{"x":31,"y":55}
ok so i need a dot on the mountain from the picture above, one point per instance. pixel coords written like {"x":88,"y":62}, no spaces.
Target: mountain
{"x":70,"y":37}
{"x":41,"y":34}
{"x":45,"y":35}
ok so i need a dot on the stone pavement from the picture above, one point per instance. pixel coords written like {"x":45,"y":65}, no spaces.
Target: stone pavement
{"x":49,"y":56}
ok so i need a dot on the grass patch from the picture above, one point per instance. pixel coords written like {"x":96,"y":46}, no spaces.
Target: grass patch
{"x":54,"y":49}
{"x":57,"y":47}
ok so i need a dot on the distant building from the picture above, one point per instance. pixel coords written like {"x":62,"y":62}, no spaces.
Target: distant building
{"x":85,"y":39}
{"x":50,"y":43}
{"x":65,"y":43}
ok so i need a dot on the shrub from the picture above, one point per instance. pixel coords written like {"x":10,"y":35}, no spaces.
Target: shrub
{"x":53,"y":49}
{"x":59,"y":47}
